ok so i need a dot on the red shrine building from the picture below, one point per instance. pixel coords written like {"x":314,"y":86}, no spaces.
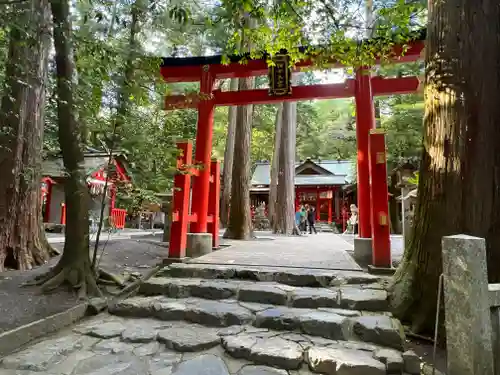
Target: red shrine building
{"x":318,"y":183}
{"x":53,"y":181}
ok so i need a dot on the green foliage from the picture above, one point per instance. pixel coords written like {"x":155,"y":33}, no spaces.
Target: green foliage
{"x":337,"y":27}
{"x":402,"y":118}
{"x":414,"y":179}
{"x":147,"y":134}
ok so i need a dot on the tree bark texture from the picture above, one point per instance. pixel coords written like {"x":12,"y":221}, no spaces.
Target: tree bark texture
{"x":285,"y":205}
{"x":228,"y":160}
{"x":240,"y":222}
{"x":239,"y":226}
{"x":23,"y":244}
{"x":74,"y":267}
{"x":273,"y":185}
{"x":459,"y":190}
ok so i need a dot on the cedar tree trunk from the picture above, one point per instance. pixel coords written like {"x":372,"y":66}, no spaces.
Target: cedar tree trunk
{"x":459,"y":190}
{"x":228,"y":159}
{"x":23,"y":244}
{"x":273,"y":184}
{"x":285,"y":205}
{"x":74,"y":267}
{"x":239,"y":226}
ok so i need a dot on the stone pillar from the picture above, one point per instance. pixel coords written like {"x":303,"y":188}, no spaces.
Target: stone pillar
{"x":405,"y":214}
{"x":198,"y":244}
{"x":363,"y":253}
{"x":166,"y":208}
{"x":467,"y":306}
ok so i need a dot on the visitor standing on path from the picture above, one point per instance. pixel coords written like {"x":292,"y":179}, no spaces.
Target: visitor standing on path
{"x":311,"y":219}
{"x":303,"y":219}
{"x":298,"y":222}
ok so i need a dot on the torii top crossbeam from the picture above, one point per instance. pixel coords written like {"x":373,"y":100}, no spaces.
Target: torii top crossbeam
{"x":189,"y":69}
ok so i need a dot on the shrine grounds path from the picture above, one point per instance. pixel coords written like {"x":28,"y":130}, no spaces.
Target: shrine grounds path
{"x":322,"y":250}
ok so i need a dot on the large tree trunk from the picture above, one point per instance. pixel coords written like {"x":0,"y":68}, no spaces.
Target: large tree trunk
{"x":240,"y":222}
{"x":227,"y":172}
{"x":22,"y":240}
{"x":273,"y":184}
{"x":239,"y":226}
{"x":74,"y":267}
{"x":285,"y":205}
{"x":460,"y":173}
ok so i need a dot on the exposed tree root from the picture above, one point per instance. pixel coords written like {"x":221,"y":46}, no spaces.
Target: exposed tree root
{"x":109,"y":278}
{"x":132,"y":288}
{"x":78,"y":278}
{"x":53,"y":251}
{"x":86,"y":284}
{"x":42,"y":278}
{"x":409,"y":333}
{"x":97,"y":305}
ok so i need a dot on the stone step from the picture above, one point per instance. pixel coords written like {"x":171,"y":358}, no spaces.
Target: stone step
{"x":329,"y":323}
{"x":109,"y":344}
{"x":284,"y":275}
{"x":369,"y":297}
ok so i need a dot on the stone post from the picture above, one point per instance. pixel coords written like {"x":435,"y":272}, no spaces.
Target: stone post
{"x":467,"y":307}
{"x":405,"y":213}
{"x":166,"y":207}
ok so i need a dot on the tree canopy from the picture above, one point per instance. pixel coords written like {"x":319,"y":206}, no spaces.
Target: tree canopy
{"x":325,"y":129}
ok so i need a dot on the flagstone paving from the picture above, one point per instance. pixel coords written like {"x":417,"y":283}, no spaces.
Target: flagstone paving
{"x":322,"y":250}
{"x":233,"y":319}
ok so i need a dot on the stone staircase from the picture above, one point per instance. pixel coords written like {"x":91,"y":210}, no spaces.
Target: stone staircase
{"x":325,"y":227}
{"x":205,"y":319}
{"x":302,"y":321}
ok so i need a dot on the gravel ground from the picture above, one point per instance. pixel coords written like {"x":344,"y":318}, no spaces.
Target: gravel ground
{"x":22,"y":305}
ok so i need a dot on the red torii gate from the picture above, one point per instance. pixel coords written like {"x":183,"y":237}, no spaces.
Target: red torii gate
{"x":371,"y":161}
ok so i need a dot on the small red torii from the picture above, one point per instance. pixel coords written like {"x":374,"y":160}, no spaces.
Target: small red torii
{"x":371,"y":160}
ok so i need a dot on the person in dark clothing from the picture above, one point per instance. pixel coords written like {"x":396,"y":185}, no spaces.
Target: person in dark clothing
{"x":311,"y":219}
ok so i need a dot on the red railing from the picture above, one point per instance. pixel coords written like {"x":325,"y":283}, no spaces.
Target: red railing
{"x":118,"y":218}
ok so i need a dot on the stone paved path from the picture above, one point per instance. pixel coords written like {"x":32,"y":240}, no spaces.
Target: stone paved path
{"x":323,"y":250}
{"x":208,"y":319}
{"x":124,"y":234}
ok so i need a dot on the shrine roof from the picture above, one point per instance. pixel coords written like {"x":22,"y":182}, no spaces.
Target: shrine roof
{"x":339,"y":172}
{"x":93,"y":161}
{"x":419,"y":36}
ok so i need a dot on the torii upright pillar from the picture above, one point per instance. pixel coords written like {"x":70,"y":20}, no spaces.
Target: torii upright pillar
{"x":381,"y":236}
{"x":204,"y":135}
{"x":365,"y":121}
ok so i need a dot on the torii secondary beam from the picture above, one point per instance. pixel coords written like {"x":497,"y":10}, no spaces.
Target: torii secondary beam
{"x":380,"y":86}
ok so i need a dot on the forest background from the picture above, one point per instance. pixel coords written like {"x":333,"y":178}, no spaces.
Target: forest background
{"x":103,"y":47}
